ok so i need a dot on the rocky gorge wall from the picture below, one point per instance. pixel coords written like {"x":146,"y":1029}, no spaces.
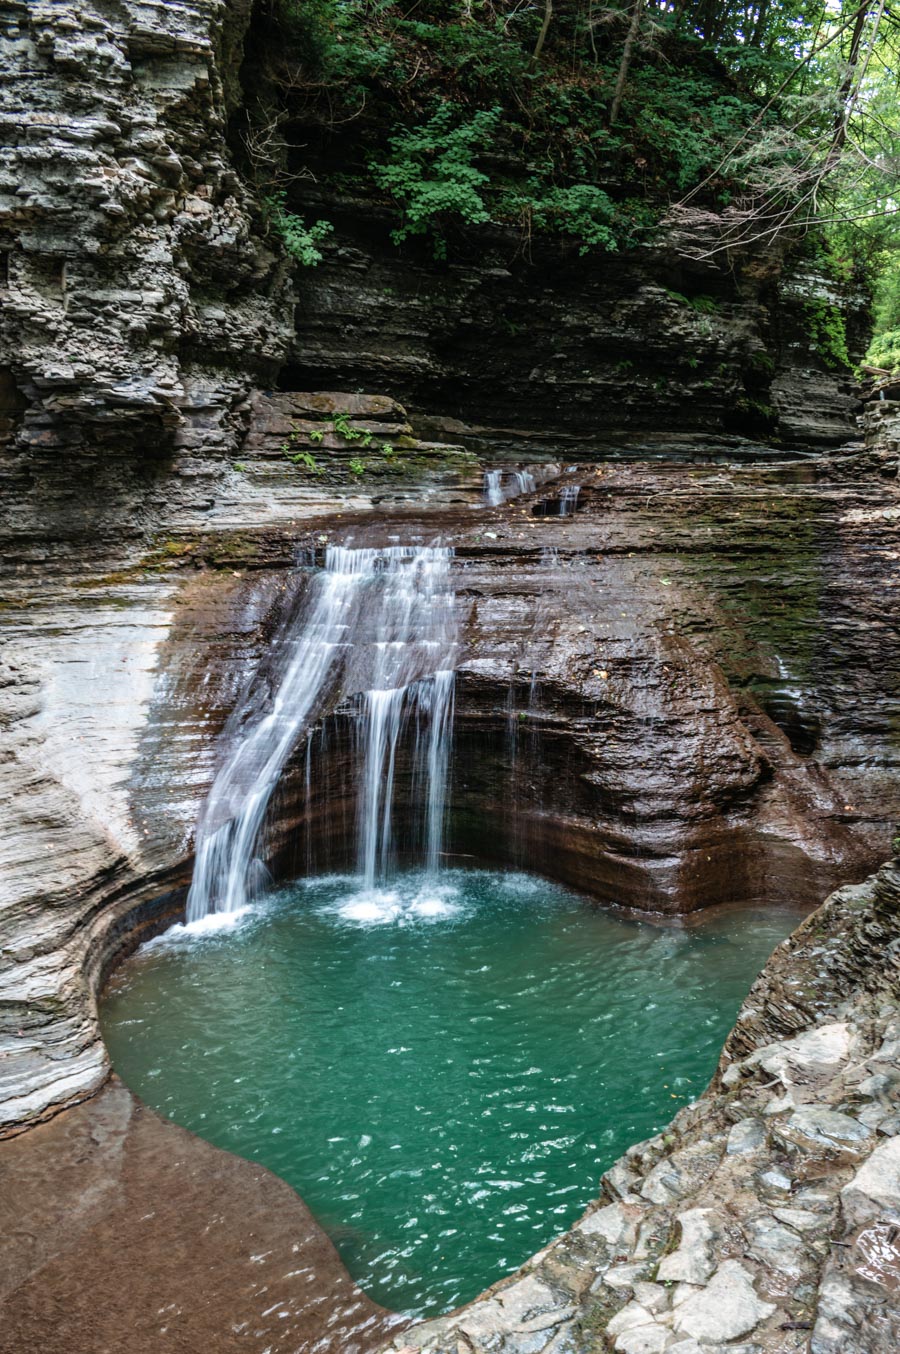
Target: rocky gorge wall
{"x":606,"y":350}
{"x":140,"y":303}
{"x":687,"y":691}
{"x":146,"y":302}
{"x":642,"y":713}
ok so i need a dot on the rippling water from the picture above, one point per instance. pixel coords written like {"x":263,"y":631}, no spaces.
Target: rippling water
{"x":441,"y":1072}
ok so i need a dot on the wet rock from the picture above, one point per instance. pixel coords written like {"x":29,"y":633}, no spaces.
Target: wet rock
{"x":726,"y":1308}
{"x":876,"y":1185}
{"x":115,"y":1220}
{"x":747,"y":1137}
{"x":810,"y":1128}
{"x":694,"y":1260}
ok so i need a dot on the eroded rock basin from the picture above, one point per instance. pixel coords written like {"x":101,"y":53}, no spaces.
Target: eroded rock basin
{"x":442,"y":1068}
{"x":703,"y":662}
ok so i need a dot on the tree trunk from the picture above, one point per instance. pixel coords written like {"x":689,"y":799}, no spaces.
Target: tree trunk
{"x":846,"y":89}
{"x":539,"y":45}
{"x":625,"y":64}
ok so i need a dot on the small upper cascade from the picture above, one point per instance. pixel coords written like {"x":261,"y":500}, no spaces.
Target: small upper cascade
{"x":568,"y":499}
{"x":500,"y":485}
{"x":493,"y":492}
{"x":381,"y":621}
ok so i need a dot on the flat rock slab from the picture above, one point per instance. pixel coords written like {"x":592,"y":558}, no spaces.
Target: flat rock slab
{"x":122,"y":1232}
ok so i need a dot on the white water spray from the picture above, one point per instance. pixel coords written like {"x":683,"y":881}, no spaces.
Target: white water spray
{"x":380,"y":621}
{"x":568,"y":499}
{"x":500,"y":485}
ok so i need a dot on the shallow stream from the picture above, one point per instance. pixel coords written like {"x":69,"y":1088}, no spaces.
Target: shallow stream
{"x":442,"y":1071}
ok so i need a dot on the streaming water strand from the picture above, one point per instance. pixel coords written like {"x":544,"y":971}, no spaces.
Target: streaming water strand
{"x":381,"y":622}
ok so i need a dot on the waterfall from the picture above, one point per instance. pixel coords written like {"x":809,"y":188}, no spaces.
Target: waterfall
{"x":568,"y":499}
{"x":378,"y":621}
{"x":493,"y":493}
{"x":517,"y":482}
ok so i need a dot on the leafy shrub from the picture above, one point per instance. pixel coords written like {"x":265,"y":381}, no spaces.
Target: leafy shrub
{"x":432,"y":176}
{"x":581,"y":210}
{"x":885,"y":351}
{"x":827,"y":333}
{"x":300,"y":240}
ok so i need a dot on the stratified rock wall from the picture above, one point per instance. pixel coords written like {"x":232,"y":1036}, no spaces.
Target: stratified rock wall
{"x":600,"y":349}
{"x":139,"y":302}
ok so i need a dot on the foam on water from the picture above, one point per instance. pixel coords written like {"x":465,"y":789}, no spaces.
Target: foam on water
{"x":415,"y":898}
{"x":441,"y":1067}
{"x":213,"y":924}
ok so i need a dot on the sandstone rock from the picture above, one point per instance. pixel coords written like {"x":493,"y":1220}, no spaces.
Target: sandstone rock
{"x":818,"y":1052}
{"x":612,"y":1224}
{"x":726,"y":1308}
{"x":631,"y":1315}
{"x":774,"y":1244}
{"x":747,"y":1136}
{"x":679,"y":1174}
{"x":694,"y":1260}
{"x":652,"y":1339}
{"x":652,"y":1296}
{"x":817,"y":1126}
{"x":876,"y":1185}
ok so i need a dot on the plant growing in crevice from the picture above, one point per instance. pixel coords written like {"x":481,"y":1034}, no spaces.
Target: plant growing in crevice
{"x":827,"y":333}
{"x":300,"y":239}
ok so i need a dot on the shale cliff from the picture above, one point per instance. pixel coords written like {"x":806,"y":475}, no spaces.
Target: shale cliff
{"x":140,"y":305}
{"x":682,"y":694}
{"x":146,"y":295}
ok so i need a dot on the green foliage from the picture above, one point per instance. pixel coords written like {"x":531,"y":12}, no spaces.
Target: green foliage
{"x":885,"y":351}
{"x":704,"y":305}
{"x":581,"y":210}
{"x":300,"y":240}
{"x":827,"y":333}
{"x":304,"y":458}
{"x":432,"y":176}
{"x":357,"y":467}
{"x":449,"y":114}
{"x":338,"y":36}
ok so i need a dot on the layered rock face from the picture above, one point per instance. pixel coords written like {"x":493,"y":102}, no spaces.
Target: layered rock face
{"x":881,"y":422}
{"x":681,"y":695}
{"x":139,"y":302}
{"x":597,"y":351}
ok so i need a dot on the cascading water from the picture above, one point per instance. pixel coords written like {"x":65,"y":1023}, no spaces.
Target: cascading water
{"x":378,"y":621}
{"x":568,"y":499}
{"x":493,"y":492}
{"x":517,"y":482}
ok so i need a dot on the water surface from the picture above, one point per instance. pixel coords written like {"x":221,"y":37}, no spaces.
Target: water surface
{"x":442,"y":1072}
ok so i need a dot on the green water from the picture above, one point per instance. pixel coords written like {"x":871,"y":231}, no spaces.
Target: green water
{"x":442,"y":1073}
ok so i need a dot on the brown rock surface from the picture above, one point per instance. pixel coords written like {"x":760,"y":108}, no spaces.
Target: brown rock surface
{"x":124,"y":1232}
